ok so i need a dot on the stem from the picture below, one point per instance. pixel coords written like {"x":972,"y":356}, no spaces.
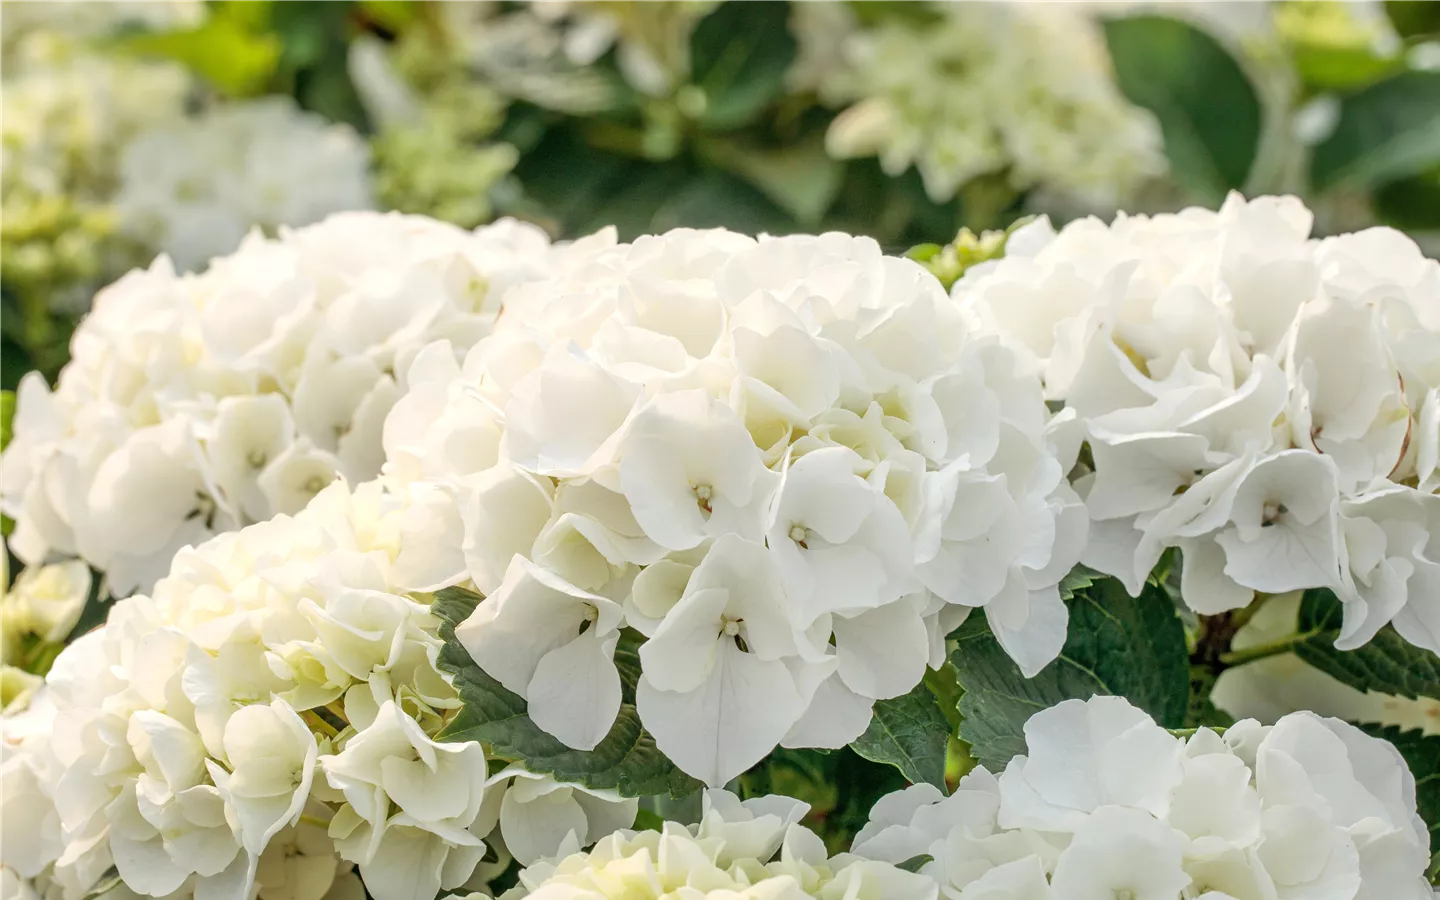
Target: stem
{"x":1266,"y":650}
{"x":944,"y":684}
{"x":317,"y":722}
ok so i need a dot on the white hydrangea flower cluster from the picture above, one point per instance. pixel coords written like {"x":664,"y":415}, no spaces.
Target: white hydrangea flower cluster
{"x":194,"y":187}
{"x":1108,"y":804}
{"x":1015,"y":90}
{"x":95,"y":19}
{"x":267,"y":722}
{"x":651,"y":40}
{"x":740,"y":850}
{"x":199,"y":403}
{"x":787,"y":462}
{"x":1266,"y":402}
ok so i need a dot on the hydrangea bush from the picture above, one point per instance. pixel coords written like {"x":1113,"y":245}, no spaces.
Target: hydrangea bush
{"x":194,"y":404}
{"x":615,"y":545}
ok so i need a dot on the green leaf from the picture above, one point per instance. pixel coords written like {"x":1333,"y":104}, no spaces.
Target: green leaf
{"x":1412,"y":19}
{"x":7,"y":418}
{"x":1387,"y":131}
{"x":908,"y":732}
{"x":739,"y":55}
{"x":1410,"y":204}
{"x":801,"y":179}
{"x":915,"y":863}
{"x":626,"y":760}
{"x":236,"y":61}
{"x":1325,"y":68}
{"x":1388,"y":664}
{"x":1422,"y":755}
{"x":1133,"y":647}
{"x":1207,"y":109}
{"x":108,"y":882}
{"x":392,"y":15}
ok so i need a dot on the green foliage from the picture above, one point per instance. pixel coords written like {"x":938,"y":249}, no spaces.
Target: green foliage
{"x":626,"y":760}
{"x":1388,"y":664}
{"x":1132,"y":647}
{"x":1206,"y":106}
{"x":7,"y":418}
{"x":236,"y":60}
{"x":739,"y":55}
{"x":1387,"y":131}
{"x":908,"y":732}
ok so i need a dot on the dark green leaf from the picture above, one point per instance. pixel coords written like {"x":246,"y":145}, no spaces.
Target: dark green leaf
{"x":1388,"y":664}
{"x":801,"y":178}
{"x":1414,"y":19}
{"x":1410,"y":204}
{"x":1206,"y":106}
{"x":915,"y":863}
{"x":739,"y":55}
{"x":908,"y":732}
{"x":1133,"y":647}
{"x":1387,"y":131}
{"x":626,"y":760}
{"x":1422,"y":755}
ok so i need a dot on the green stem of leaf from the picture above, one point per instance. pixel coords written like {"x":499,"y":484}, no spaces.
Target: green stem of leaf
{"x":1265,"y":650}
{"x":317,"y":722}
{"x":945,"y":685}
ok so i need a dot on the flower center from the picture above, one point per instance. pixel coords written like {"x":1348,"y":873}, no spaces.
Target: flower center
{"x":256,"y":459}
{"x":800,"y":534}
{"x":730,"y":628}
{"x":703,"y":493}
{"x":314,"y":484}
{"x":1272,"y":514}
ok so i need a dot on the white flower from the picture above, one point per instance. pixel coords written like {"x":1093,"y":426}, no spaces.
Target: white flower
{"x":271,"y":755}
{"x":539,"y":814}
{"x":1309,"y":807}
{"x":277,"y":679}
{"x":938,"y":96}
{"x":553,"y":644}
{"x":200,"y":403}
{"x":690,"y":472}
{"x":750,"y":849}
{"x":1255,"y":398}
{"x":733,"y":441}
{"x":724,"y":677}
{"x":225,"y":175}
{"x":841,"y":543}
{"x":47,"y":601}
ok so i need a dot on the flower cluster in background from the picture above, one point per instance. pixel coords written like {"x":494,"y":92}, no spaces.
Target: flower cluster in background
{"x":194,"y":187}
{"x":265,"y":722}
{"x":788,"y":462}
{"x":1267,"y":402}
{"x":1107,"y":804}
{"x":963,"y":91}
{"x":199,"y":403}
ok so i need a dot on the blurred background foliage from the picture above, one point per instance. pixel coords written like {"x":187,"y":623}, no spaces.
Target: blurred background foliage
{"x":901,"y":120}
